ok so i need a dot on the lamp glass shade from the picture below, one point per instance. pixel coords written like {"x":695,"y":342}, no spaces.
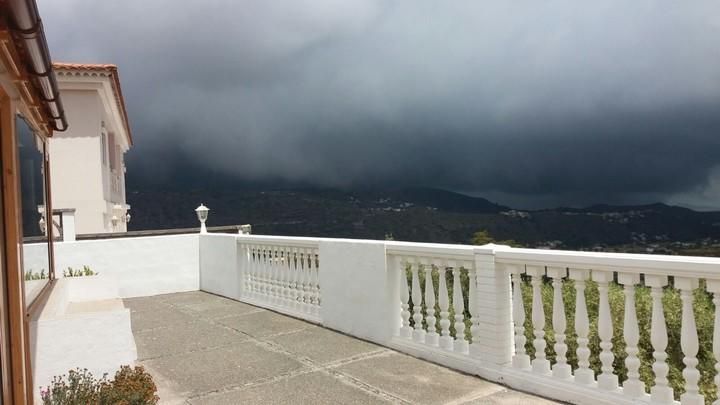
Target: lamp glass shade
{"x":202,"y":212}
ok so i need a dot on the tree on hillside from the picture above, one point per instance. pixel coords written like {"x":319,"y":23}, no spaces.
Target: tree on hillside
{"x":483,"y":238}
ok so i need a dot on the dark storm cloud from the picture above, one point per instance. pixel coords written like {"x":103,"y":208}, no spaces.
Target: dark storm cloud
{"x":563,"y":101}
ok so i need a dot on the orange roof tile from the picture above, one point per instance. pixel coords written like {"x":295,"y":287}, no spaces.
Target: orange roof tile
{"x":113,"y":70}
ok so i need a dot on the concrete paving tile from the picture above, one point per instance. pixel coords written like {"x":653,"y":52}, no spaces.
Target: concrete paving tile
{"x":190,"y":297}
{"x":323,"y":345}
{"x":221,"y":368}
{"x":315,"y":388}
{"x":508,"y":397}
{"x":142,"y":304}
{"x":264,"y":324}
{"x":181,"y":339}
{"x":159,"y":318}
{"x":218,"y":308}
{"x":417,"y":381}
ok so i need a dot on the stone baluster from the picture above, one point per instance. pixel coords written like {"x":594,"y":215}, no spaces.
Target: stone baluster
{"x":540,"y":363}
{"x":255,"y":260}
{"x":282,"y":264}
{"x":632,"y":387}
{"x":520,"y":359}
{"x":583,"y":374}
{"x":607,"y":380}
{"x":307,"y":302}
{"x":315,"y":281}
{"x":561,"y":369}
{"x":405,"y":329}
{"x":446,"y":341}
{"x":272,"y":286}
{"x":461,"y":345}
{"x":262,"y":272}
{"x":713,"y":286}
{"x":432,"y":337}
{"x":474,"y":312}
{"x":416,"y":294}
{"x":660,"y":393}
{"x":294,"y":284}
{"x":689,"y":342}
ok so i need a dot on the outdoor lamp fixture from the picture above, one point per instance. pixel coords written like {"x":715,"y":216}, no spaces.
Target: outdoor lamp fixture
{"x":202,"y":214}
{"x":127,"y":218}
{"x":117,"y":214}
{"x":42,"y":224}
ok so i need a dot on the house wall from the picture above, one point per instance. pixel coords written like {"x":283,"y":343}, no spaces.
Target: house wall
{"x":142,"y":266}
{"x":75,"y":162}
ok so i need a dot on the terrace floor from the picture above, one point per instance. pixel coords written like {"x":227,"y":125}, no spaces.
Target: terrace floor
{"x":205,"y":349}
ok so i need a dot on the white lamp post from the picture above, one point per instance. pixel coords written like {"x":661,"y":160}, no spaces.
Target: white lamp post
{"x":118,"y":213}
{"x":202,"y":214}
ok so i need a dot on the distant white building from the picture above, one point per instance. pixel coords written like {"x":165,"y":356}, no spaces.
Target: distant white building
{"x":88,"y":169}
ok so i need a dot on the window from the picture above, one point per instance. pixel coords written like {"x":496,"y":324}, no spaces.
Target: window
{"x":103,"y":152}
{"x":36,"y":222}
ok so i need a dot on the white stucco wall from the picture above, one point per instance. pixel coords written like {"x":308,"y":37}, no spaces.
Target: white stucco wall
{"x":90,"y":305}
{"x":142,"y":266}
{"x":75,"y":161}
{"x":218,"y":265}
{"x":356,"y":289}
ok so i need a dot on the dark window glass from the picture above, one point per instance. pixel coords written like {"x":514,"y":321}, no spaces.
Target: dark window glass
{"x":36,"y":258}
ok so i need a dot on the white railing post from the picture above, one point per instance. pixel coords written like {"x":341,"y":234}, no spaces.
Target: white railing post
{"x":520,"y":359}
{"x":405,"y":329}
{"x":561,"y":369}
{"x":689,"y":342}
{"x":540,"y":363}
{"x":432,"y":337}
{"x":495,"y":343}
{"x":713,"y":286}
{"x":660,"y":393}
{"x":418,"y":332}
{"x":583,"y":374}
{"x":446,"y":341}
{"x":607,"y":380}
{"x":461,"y":345}
{"x":632,"y":387}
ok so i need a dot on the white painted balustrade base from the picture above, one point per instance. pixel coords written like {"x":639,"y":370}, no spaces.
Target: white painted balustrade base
{"x":522,"y":380}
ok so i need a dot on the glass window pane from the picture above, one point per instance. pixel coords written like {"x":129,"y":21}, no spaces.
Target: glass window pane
{"x":31,"y":154}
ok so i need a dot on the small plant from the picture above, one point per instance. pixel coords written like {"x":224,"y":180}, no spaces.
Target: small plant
{"x":85,"y":271}
{"x":30,"y":275}
{"x":131,"y":386}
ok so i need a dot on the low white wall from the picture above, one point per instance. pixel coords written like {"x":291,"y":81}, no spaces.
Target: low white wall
{"x":142,"y":266}
{"x":82,"y":323}
{"x":356,"y":289}
{"x":218,"y":265}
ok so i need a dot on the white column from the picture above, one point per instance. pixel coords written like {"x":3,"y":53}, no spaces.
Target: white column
{"x":689,"y":342}
{"x":68,"y":225}
{"x":493,"y":308}
{"x":475,"y":346}
{"x":632,"y":387}
{"x":540,"y":363}
{"x":317,"y":296}
{"x":461,"y":345}
{"x":583,"y":374}
{"x":607,"y":380}
{"x":660,"y":393}
{"x":418,"y":333}
{"x":432,"y":337}
{"x":713,"y":286}
{"x":446,"y":341}
{"x":520,"y":359}
{"x":405,"y":329}
{"x":561,"y":369}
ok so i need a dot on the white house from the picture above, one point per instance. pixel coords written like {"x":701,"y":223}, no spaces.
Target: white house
{"x":88,"y":169}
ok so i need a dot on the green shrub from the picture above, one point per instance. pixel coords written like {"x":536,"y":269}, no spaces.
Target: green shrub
{"x":85,"y":271}
{"x":131,"y":386}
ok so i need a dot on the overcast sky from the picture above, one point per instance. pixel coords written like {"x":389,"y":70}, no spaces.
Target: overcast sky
{"x":530,"y":103}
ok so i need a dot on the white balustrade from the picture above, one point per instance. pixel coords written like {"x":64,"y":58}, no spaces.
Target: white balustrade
{"x":282,"y":276}
{"x":443,"y":292}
